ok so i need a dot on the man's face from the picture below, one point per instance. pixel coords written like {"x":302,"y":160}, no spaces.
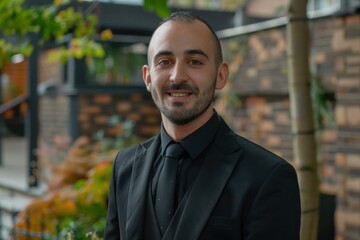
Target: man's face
{"x":182,"y":74}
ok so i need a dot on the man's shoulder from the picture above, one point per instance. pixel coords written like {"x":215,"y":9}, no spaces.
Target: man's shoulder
{"x":126,"y":157}
{"x":250,"y":150}
{"x":147,"y":143}
{"x":256,"y":158}
{"x":265,"y":160}
{"x":130,"y":151}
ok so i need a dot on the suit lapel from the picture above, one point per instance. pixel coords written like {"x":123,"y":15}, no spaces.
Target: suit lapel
{"x":142,"y":166}
{"x":220,"y":161}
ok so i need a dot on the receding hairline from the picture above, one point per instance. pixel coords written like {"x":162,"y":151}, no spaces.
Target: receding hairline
{"x":189,"y":18}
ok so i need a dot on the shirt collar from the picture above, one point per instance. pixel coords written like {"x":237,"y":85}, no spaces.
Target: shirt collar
{"x":196,"y":142}
{"x":165,"y":139}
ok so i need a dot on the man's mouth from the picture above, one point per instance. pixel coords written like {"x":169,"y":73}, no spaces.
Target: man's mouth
{"x":179,"y":94}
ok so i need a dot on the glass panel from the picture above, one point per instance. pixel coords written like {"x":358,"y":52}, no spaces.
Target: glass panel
{"x":354,"y":3}
{"x":122,"y":65}
{"x":316,"y":5}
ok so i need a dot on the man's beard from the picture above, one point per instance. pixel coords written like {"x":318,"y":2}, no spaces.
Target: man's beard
{"x":183,"y":116}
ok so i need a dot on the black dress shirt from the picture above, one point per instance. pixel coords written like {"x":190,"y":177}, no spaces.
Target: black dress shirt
{"x":190,"y":165}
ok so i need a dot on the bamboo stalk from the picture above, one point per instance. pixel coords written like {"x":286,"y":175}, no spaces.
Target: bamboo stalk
{"x":302,"y":122}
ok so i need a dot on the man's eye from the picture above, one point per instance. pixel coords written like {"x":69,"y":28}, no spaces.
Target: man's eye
{"x":163,"y":62}
{"x":195,"y":62}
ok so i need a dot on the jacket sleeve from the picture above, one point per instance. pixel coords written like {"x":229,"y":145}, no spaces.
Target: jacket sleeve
{"x":112,"y":230}
{"x":275,"y":213}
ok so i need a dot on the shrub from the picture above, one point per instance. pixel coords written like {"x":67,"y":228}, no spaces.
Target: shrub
{"x":78,"y":176}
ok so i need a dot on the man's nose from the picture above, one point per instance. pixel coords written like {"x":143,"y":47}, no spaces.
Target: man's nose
{"x":178,"y":73}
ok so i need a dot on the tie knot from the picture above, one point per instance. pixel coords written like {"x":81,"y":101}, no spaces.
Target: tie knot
{"x":174,"y":150}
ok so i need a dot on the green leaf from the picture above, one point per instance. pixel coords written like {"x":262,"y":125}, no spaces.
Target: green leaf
{"x":160,"y":7}
{"x":149,"y":4}
{"x":27,"y":49}
{"x":79,"y":184}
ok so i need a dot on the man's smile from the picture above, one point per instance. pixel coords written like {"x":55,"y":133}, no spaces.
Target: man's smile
{"x":178,"y":94}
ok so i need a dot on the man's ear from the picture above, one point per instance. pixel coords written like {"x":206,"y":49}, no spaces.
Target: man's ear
{"x":146,"y":77}
{"x":222,"y":76}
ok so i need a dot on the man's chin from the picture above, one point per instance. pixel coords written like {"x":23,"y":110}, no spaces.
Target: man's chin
{"x":180,"y":121}
{"x":179,"y":118}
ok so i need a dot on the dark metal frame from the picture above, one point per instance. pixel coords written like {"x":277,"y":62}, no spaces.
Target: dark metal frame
{"x":32,"y":116}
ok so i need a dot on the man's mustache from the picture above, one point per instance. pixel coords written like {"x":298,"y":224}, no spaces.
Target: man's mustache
{"x":180,"y":86}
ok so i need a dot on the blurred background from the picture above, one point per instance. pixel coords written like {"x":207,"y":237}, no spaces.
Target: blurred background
{"x":72,"y":95}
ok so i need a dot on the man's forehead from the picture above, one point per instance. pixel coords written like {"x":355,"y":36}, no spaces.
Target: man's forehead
{"x":165,"y":29}
{"x":171,"y":24}
{"x":171,"y":28}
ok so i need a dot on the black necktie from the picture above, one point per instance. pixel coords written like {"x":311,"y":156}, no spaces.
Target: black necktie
{"x":165,"y":194}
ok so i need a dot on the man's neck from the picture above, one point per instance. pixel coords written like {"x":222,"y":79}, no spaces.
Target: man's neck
{"x":179,"y":132}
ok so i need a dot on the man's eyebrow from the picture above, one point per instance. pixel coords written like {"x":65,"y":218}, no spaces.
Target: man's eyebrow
{"x":187,"y":52}
{"x":195,"y":52}
{"x":163,"y":53}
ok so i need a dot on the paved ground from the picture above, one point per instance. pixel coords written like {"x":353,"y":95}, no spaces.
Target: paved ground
{"x":14,"y":168}
{"x":13,"y":171}
{"x":12,"y":176}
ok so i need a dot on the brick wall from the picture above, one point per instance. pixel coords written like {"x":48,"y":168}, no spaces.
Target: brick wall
{"x":261,"y":110}
{"x":336,"y":58}
{"x":258,"y":79}
{"x":54,"y":109}
{"x":346,"y":46}
{"x":53,"y":117}
{"x":49,"y":70}
{"x":258,"y":62}
{"x":264,"y":120}
{"x":13,"y":82}
{"x":16,"y":74}
{"x":95,"y":111}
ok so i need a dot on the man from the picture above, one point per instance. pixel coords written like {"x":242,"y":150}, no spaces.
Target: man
{"x":226,"y":187}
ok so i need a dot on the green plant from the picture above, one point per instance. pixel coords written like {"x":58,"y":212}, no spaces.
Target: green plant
{"x":322,"y":103}
{"x":90,"y":199}
{"x":120,"y":65}
{"x":76,"y":230}
{"x":52,"y":22}
{"x":123,"y":139}
{"x":75,"y":206}
{"x":160,"y":7}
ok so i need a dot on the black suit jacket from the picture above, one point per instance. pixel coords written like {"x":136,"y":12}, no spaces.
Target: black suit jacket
{"x":242,"y":192}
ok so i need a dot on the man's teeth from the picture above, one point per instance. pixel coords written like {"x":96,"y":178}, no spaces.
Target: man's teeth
{"x":179,"y":94}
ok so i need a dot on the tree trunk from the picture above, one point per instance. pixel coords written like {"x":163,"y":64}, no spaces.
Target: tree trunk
{"x":302,"y":122}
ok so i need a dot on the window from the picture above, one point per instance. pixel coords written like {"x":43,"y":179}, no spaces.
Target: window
{"x":122,"y":65}
{"x":324,"y":5}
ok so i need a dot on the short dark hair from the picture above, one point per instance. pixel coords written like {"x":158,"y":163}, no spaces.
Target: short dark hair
{"x":188,"y":17}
